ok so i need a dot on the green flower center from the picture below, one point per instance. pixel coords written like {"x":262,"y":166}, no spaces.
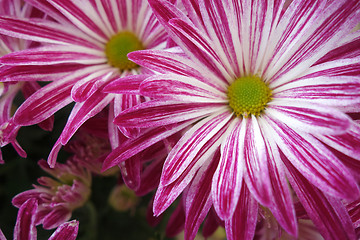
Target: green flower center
{"x":248,"y":96}
{"x":119,"y":46}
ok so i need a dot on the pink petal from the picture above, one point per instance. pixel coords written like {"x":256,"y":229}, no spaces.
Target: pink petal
{"x":45,"y":102}
{"x":53,"y":55}
{"x":25,"y":226}
{"x":125,"y":85}
{"x":43,"y":31}
{"x":198,"y":195}
{"x":56,"y":217}
{"x":282,"y":204}
{"x":83,"y":111}
{"x":87,"y":86}
{"x":186,"y":89}
{"x":33,"y":73}
{"x":166,"y":195}
{"x":256,"y":156}
{"x":2,"y":236}
{"x":242,"y":224}
{"x":158,"y":113}
{"x":308,"y":117}
{"x":168,"y":62}
{"x":136,"y":145}
{"x":130,"y":172}
{"x":67,"y":230}
{"x":338,"y":91}
{"x":227,"y":180}
{"x":198,"y":47}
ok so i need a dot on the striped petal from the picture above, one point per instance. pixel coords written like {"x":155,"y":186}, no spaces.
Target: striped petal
{"x":82,"y":112}
{"x":256,"y":156}
{"x":67,"y":230}
{"x":54,"y":55}
{"x":43,"y":31}
{"x":243,"y":222}
{"x":158,"y":113}
{"x":133,"y":146}
{"x":45,"y":102}
{"x":180,"y":88}
{"x":308,"y":117}
{"x":282,"y":204}
{"x":25,"y":223}
{"x":340,"y":91}
{"x":198,"y":195}
{"x":126,"y":85}
{"x":227,"y":180}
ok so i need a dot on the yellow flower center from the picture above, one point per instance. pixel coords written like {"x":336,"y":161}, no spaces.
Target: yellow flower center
{"x":248,"y":96}
{"x":119,"y":46}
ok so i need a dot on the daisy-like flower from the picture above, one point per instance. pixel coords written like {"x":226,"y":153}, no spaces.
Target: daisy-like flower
{"x":89,"y":43}
{"x":67,"y":189}
{"x":25,"y":228}
{"x":265,"y":90}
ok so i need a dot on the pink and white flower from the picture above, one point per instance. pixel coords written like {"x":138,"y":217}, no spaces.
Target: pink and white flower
{"x":83,"y":50}
{"x":266,"y":91}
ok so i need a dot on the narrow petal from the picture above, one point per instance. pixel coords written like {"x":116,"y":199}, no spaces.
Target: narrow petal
{"x":327,"y":213}
{"x":133,"y":146}
{"x":198,"y":195}
{"x":282,"y":203}
{"x":130,"y":172}
{"x":31,"y":73}
{"x":87,"y":86}
{"x":68,"y":231}
{"x":339,"y":91}
{"x":82,"y":112}
{"x":54,"y":55}
{"x":43,"y":31}
{"x":309,"y":117}
{"x":126,"y":85}
{"x":256,"y":156}
{"x":179,"y":88}
{"x":158,"y":113}
{"x":242,"y":224}
{"x":45,"y":102}
{"x":56,"y":217}
{"x":227,"y":180}
{"x":25,"y":223}
{"x":348,"y":143}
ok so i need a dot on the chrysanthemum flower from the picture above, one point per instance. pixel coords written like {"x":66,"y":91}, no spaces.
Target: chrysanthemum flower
{"x":266,"y":91}
{"x":25,"y":228}
{"x":67,"y":189}
{"x":89,"y":42}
